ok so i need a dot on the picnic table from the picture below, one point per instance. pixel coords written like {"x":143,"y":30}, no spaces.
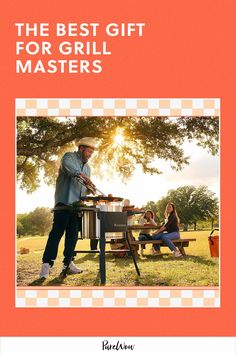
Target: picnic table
{"x":181,"y":243}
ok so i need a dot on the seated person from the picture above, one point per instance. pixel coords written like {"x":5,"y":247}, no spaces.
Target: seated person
{"x":169,"y":231}
{"x":146,"y":219}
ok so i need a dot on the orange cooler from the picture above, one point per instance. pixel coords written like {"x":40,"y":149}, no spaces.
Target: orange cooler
{"x":214,"y":243}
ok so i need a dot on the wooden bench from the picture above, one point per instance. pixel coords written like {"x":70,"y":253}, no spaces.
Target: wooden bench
{"x":181,"y":243}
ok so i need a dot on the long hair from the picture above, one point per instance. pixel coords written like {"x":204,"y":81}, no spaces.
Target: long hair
{"x":173,"y":212}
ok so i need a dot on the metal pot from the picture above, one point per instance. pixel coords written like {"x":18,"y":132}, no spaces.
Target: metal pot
{"x":90,"y":225}
{"x":91,"y":222}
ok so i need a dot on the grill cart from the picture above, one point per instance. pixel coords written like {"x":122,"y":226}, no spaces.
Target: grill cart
{"x":103,"y":220}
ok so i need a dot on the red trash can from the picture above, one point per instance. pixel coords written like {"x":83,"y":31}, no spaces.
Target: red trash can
{"x":214,"y":243}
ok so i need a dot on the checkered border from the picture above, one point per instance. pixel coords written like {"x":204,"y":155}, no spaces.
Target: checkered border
{"x":118,"y":298}
{"x":154,"y":297}
{"x":117,"y":107}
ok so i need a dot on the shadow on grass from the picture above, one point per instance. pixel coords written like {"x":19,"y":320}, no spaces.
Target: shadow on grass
{"x":89,"y":257}
{"x":56,"y":281}
{"x":97,"y":280}
{"x":121,"y":264}
{"x":195,"y":259}
{"x":37,"y":282}
{"x":61,"y":280}
{"x":141,"y":282}
{"x":127,"y":261}
{"x":201,"y":260}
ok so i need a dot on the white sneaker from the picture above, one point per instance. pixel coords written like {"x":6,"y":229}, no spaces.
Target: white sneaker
{"x":45,"y":270}
{"x":177,"y":253}
{"x":73,"y":269}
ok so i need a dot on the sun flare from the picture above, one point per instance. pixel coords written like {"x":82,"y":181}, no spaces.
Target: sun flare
{"x":119,"y":137}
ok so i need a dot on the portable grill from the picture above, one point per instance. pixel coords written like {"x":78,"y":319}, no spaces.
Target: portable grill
{"x":102,"y":219}
{"x":105,"y":223}
{"x":109,"y":222}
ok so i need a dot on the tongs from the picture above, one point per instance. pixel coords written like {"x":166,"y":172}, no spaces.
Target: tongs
{"x":85,"y":181}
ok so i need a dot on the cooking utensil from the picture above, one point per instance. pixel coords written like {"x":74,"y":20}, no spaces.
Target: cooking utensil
{"x":88,"y":184}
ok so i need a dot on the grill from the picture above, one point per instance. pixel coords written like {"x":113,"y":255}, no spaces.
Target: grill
{"x":110,"y":222}
{"x":104,"y":224}
{"x":102,"y":219}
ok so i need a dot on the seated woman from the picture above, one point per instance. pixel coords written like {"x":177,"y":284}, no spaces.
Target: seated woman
{"x":146,"y":219}
{"x":169,"y":231}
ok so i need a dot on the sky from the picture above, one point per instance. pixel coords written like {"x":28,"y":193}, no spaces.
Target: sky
{"x":141,"y":188}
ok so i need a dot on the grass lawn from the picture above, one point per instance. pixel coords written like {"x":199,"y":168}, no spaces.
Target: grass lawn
{"x":196,"y":269}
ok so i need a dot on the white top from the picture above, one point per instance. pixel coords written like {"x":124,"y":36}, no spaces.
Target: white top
{"x":144,"y":221}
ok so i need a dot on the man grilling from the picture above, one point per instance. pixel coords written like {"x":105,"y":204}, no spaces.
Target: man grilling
{"x":69,"y":189}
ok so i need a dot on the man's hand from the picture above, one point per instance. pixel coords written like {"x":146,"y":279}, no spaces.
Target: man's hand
{"x":87,"y":182}
{"x":84,"y":177}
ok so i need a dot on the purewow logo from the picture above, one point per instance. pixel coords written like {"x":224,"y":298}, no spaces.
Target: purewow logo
{"x":118,"y":346}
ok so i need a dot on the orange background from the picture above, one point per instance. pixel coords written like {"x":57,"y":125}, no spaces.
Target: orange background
{"x":186,"y":51}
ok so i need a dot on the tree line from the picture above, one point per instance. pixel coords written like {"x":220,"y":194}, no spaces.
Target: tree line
{"x":37,"y":222}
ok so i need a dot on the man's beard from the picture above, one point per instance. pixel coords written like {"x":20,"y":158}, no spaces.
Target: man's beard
{"x":84,"y":159}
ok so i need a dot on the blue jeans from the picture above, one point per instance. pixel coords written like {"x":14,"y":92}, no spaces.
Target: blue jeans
{"x":64,"y":221}
{"x":166,"y":238}
{"x":144,"y":237}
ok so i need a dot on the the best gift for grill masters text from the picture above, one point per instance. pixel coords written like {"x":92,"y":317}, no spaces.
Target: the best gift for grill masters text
{"x":74,"y":48}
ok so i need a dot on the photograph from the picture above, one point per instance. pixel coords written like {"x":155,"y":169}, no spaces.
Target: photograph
{"x":118,"y":201}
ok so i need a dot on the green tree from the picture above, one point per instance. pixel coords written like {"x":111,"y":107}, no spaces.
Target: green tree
{"x":192,"y":204}
{"x":41,"y":219}
{"x":41,"y":141}
{"x":37,"y":222}
{"x":23,"y":225}
{"x":20,"y":229}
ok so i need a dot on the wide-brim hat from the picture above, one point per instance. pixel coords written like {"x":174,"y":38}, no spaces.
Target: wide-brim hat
{"x":87,"y":141}
{"x":150,"y":211}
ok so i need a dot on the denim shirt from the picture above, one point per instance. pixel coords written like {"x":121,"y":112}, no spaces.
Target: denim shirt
{"x":68,"y":190}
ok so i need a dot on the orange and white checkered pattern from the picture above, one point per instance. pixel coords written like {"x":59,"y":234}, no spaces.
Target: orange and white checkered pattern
{"x":156,"y":297}
{"x":151,"y":297}
{"x":118,"y":107}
